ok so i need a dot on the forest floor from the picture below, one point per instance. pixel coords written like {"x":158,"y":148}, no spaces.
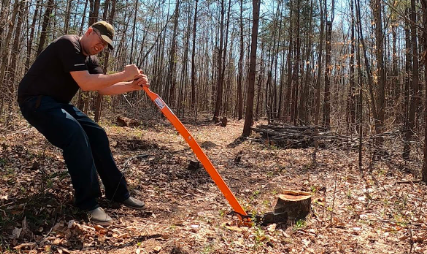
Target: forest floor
{"x":353,"y":211}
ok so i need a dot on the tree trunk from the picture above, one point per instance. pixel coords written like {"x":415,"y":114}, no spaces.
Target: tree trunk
{"x":181,"y":101}
{"x":415,"y":94}
{"x":295,"y":74}
{"x":31,"y":36}
{"x":288,"y":101}
{"x":3,"y":12}
{"x":193,"y":63}
{"x":98,"y":104}
{"x":305,"y":86}
{"x":171,"y":78}
{"x":365,"y":56}
{"x":241,"y":59}
{"x":252,"y":70}
{"x":379,"y":120}
{"x":83,"y":17}
{"x":135,"y":14}
{"x":6,"y":51}
{"x":259,"y":102}
{"x":93,"y":11}
{"x":424,"y":43}
{"x":83,"y":101}
{"x":351,"y":110}
{"x":328,"y":70}
{"x":220,"y":62}
{"x":67,"y":16}
{"x":360,"y":88}
{"x":408,"y":78}
{"x":46,"y":19}
{"x":395,"y":72}
{"x":319,"y":64}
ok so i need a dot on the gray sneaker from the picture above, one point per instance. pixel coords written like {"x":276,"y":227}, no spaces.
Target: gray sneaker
{"x":134,"y":203}
{"x":98,"y":216}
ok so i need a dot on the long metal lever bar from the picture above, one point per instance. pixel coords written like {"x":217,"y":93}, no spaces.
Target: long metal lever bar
{"x":167,"y":112}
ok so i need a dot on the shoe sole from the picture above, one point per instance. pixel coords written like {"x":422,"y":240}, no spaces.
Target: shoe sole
{"x":102,"y":223}
{"x":135,"y":207}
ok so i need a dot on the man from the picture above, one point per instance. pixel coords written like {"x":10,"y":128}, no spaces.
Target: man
{"x":44,"y":96}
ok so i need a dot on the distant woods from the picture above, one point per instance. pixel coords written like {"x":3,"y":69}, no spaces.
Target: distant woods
{"x":355,"y":66}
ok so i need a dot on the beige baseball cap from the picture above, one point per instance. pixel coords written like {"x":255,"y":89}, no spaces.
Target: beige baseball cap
{"x":106,"y":30}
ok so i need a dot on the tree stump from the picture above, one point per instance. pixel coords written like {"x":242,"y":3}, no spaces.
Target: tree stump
{"x":295,"y":204}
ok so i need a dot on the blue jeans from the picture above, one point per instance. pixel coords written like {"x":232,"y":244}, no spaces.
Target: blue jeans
{"x":85,"y":148}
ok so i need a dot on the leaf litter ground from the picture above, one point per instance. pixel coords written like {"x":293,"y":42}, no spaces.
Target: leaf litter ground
{"x":352,"y":211}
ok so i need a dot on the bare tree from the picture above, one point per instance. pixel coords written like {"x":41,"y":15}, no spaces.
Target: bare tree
{"x":171,"y":78}
{"x":220,"y":63}
{"x":241,"y":59}
{"x":46,"y":19}
{"x":252,"y":70}
{"x":414,"y":91}
{"x":193,"y":63}
{"x":328,"y":67}
{"x":31,"y":36}
{"x":351,"y":109}
{"x":379,"y":120}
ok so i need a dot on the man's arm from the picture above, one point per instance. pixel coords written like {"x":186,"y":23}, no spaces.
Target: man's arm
{"x":95,"y":82}
{"x":123,"y":87}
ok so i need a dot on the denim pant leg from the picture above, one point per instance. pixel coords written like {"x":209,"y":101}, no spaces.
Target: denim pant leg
{"x":113,"y":180}
{"x":64,"y":131}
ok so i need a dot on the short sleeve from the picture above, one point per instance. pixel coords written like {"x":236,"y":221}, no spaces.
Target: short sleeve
{"x":93,"y":65}
{"x":69,"y":51}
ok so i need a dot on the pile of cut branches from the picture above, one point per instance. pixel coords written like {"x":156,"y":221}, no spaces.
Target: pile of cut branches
{"x":299,"y":136}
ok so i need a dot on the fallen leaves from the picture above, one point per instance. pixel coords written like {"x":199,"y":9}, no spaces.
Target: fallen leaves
{"x":351,"y":212}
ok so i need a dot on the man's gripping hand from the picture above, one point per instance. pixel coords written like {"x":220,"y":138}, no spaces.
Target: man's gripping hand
{"x":141,"y":81}
{"x":131,"y":72}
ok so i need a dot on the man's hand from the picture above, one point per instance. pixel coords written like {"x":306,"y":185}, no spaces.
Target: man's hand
{"x":140,"y":81}
{"x":137,"y":84}
{"x":131,"y":72}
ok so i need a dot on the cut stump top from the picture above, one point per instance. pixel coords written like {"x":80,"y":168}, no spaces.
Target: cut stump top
{"x":294,"y":195}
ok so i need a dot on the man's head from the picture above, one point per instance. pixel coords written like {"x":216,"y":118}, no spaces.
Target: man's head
{"x":97,"y":37}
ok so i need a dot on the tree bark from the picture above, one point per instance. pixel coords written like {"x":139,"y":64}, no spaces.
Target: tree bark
{"x":305,"y":86}
{"x":67,"y":16}
{"x":295,"y":73}
{"x":319,"y":64}
{"x":379,"y":120}
{"x":220,"y":63}
{"x":193,"y":62}
{"x":31,"y":36}
{"x":6,"y":51}
{"x":3,"y":12}
{"x":360,"y":94}
{"x":288,"y":99}
{"x":351,"y":109}
{"x":135,"y":14}
{"x":98,"y":103}
{"x":252,"y":70}
{"x":46,"y":19}
{"x":171,"y":78}
{"x":241,"y":59}
{"x":415,"y":94}
{"x":83,"y":17}
{"x":424,"y":43}
{"x":328,"y":70}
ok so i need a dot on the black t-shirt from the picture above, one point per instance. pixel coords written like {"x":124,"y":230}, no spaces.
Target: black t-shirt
{"x":50,"y":73}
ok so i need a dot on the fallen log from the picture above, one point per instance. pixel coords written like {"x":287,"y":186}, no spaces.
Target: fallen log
{"x":124,"y":121}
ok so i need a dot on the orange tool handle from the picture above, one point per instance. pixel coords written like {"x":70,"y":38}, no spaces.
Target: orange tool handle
{"x":197,"y":150}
